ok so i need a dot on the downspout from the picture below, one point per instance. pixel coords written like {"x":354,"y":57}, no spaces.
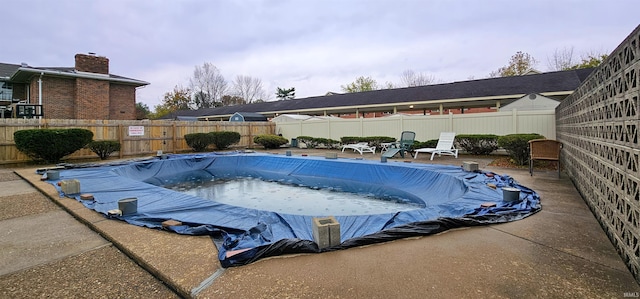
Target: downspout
{"x":40,"y":92}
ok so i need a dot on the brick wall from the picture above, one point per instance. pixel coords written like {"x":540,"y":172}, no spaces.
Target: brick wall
{"x":84,"y":98}
{"x":92,"y":64}
{"x":58,"y":95}
{"x":19,"y":91}
{"x":122,"y":100}
{"x":91,"y":99}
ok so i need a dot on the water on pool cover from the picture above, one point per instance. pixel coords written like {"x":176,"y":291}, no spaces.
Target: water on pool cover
{"x":283,"y":198}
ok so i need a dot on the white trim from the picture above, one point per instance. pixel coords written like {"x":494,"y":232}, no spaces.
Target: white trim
{"x":82,"y":75}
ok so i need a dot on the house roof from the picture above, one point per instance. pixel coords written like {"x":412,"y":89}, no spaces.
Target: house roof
{"x":532,"y":102}
{"x":251,"y":116}
{"x":474,"y":93}
{"x":23,"y":73}
{"x":6,"y":70}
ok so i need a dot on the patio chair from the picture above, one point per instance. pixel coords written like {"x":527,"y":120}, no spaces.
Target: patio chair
{"x":406,"y":141}
{"x":360,"y":147}
{"x":544,"y":149}
{"x":444,"y":146}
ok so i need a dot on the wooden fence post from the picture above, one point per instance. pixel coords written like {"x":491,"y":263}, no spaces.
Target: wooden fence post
{"x":121,"y":140}
{"x":250,"y":135}
{"x":174,"y":138}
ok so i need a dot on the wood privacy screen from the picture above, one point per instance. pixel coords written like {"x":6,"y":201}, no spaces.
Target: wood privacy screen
{"x":136,"y":137}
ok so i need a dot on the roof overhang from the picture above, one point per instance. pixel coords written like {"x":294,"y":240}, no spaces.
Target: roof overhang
{"x":457,"y":103}
{"x":24,"y":74}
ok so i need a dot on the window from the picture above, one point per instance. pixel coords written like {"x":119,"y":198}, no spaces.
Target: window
{"x":6,"y":91}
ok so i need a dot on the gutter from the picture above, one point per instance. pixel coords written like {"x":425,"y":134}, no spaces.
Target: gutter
{"x":395,"y":104}
{"x":81,"y":75}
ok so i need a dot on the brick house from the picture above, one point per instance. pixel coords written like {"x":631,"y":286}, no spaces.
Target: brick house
{"x":85,"y":91}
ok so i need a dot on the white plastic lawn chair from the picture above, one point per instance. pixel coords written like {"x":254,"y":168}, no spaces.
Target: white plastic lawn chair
{"x":444,"y":146}
{"x":360,"y":147}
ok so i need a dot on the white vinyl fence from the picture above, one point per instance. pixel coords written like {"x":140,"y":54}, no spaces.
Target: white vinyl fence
{"x":427,"y":127}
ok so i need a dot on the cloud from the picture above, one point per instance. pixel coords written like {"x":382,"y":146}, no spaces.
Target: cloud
{"x":314,"y":46}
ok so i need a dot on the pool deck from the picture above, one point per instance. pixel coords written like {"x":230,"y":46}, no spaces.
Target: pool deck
{"x":55,"y":247}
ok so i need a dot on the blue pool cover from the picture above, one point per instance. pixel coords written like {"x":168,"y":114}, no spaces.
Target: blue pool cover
{"x":449,"y":197}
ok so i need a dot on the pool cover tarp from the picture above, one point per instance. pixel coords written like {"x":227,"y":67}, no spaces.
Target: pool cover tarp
{"x":448,"y":197}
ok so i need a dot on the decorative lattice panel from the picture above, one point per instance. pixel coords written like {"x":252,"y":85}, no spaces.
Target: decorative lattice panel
{"x":598,"y":125}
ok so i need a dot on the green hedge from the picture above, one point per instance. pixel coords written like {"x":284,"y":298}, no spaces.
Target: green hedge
{"x":104,"y":148}
{"x":224,"y":139}
{"x":427,"y":144}
{"x":51,"y":145}
{"x":198,"y":141}
{"x":327,"y":142}
{"x":313,"y":142}
{"x":309,"y":141}
{"x":517,"y":145}
{"x":477,"y":144}
{"x":270,"y":141}
{"x":372,"y":140}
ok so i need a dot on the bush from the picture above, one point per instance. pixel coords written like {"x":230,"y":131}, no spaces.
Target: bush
{"x":313,"y":142}
{"x":104,"y":148}
{"x":372,"y":140}
{"x":426,"y":144}
{"x":377,"y":140}
{"x":270,"y":141}
{"x":326,"y":142}
{"x":517,"y":145}
{"x":478,"y":144}
{"x":224,"y":139}
{"x":51,"y":145}
{"x":309,"y":141}
{"x":198,"y":141}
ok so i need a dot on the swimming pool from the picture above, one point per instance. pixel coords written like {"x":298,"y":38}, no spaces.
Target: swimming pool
{"x":441,"y":197}
{"x":278,"y":197}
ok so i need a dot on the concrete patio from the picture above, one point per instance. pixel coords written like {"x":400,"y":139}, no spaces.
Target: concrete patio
{"x":55,"y":247}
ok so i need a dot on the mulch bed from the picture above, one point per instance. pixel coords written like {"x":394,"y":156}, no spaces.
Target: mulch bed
{"x":506,"y":162}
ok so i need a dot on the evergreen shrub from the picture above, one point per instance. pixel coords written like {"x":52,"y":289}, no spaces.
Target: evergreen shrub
{"x":224,"y":139}
{"x":51,"y":145}
{"x":517,"y":146}
{"x":198,"y":141}
{"x":104,"y":148}
{"x":477,"y":144}
{"x":270,"y":141}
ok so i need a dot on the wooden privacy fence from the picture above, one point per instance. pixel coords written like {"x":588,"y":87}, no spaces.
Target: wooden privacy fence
{"x":136,"y":137}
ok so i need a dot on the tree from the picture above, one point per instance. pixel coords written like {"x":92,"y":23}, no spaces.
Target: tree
{"x":389,"y":85}
{"x":519,"y":64}
{"x":248,"y":88}
{"x":142,"y":111}
{"x":159,"y":111}
{"x":175,"y":100}
{"x":409,"y":78}
{"x":561,"y":60}
{"x":285,"y":94}
{"x":361,"y":84}
{"x":208,"y":86}
{"x":590,"y":60}
{"x":228,"y":100}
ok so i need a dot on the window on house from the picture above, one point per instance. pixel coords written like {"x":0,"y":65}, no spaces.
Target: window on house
{"x":6,"y":91}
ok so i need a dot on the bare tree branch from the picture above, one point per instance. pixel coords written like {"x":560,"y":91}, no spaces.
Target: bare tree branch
{"x":561,"y":60}
{"x":208,"y":86}
{"x":249,"y":89}
{"x":409,"y":78}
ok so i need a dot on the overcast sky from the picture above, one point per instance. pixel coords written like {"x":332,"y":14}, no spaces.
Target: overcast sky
{"x":314,"y":46}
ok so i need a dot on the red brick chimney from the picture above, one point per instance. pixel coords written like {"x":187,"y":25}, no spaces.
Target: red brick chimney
{"x":92,"y":64}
